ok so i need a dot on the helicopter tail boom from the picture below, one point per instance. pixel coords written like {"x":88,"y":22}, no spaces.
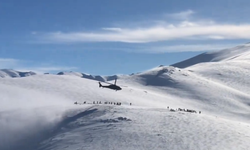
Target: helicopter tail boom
{"x":100,"y":85}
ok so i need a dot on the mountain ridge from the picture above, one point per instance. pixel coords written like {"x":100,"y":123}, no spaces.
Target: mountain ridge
{"x":238,"y":52}
{"x":10,"y":73}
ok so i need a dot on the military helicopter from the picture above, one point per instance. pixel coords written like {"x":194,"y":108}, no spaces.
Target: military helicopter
{"x":111,"y":86}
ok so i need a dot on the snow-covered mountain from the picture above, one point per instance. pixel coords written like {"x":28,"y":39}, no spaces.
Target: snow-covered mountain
{"x":83,"y":75}
{"x":240,"y":52}
{"x":93,"y":77}
{"x":10,"y":73}
{"x":37,"y":112}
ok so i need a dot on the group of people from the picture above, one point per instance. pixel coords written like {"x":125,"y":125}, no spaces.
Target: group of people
{"x":185,"y":110}
{"x":113,"y":103}
{"x":99,"y":102}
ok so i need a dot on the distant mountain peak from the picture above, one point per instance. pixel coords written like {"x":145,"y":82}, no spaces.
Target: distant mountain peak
{"x":10,"y":73}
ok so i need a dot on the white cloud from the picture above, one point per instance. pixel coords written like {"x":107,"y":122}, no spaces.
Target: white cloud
{"x":169,"y":48}
{"x":183,"y":30}
{"x":112,"y":29}
{"x":187,"y":48}
{"x":160,"y":30}
{"x":181,"y":15}
{"x":186,"y":24}
{"x":216,"y":37}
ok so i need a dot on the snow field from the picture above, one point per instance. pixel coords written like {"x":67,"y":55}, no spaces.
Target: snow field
{"x":110,"y":127}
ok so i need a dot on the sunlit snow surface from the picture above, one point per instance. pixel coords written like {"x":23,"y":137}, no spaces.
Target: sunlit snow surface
{"x":38,"y":112}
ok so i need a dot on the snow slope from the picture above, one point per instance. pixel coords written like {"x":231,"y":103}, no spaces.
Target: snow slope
{"x":238,"y":52}
{"x":106,"y":127}
{"x":37,"y":112}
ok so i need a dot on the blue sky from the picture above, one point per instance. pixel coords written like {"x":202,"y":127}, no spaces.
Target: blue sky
{"x":116,"y":36}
